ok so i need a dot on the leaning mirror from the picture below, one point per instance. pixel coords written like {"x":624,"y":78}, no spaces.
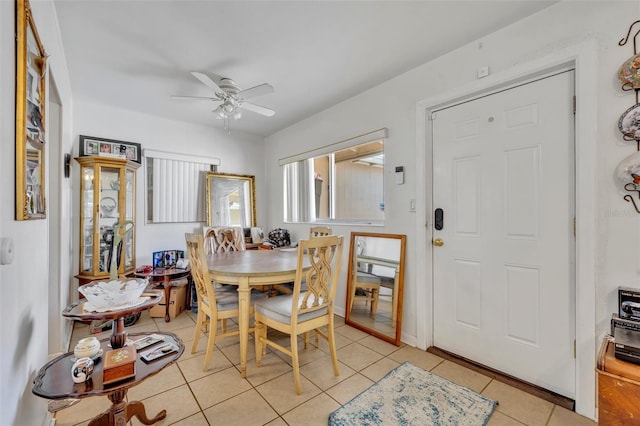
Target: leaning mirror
{"x":231,"y":200}
{"x":375,"y":283}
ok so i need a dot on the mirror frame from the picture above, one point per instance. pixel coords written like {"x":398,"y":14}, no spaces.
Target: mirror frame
{"x":230,"y":176}
{"x":31,"y":71}
{"x":347,"y":318}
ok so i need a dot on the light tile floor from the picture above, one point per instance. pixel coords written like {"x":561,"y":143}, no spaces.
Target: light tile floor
{"x":220,"y":396}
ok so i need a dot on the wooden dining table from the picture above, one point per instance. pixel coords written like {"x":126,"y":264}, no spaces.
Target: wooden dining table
{"x":252,"y":268}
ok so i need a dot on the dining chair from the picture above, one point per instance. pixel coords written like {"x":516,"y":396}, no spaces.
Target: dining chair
{"x":223,"y":238}
{"x":315,"y":231}
{"x":303,"y":311}
{"x":366,"y":286}
{"x":319,"y":231}
{"x":212,"y":307}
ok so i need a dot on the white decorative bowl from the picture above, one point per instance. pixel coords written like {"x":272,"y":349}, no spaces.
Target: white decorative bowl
{"x":87,"y":347}
{"x":106,"y":294}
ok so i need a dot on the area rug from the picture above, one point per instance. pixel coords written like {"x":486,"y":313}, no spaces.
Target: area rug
{"x":409,"y":395}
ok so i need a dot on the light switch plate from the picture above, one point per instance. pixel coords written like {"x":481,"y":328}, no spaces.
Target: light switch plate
{"x":6,"y":251}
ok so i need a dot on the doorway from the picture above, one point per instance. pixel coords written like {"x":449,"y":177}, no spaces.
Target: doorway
{"x":54,"y":179}
{"x":504,"y":257}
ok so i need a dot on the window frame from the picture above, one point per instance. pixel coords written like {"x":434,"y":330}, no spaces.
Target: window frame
{"x":329,"y":151}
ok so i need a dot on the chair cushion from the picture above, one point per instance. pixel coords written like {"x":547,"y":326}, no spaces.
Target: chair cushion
{"x":228,"y":301}
{"x":303,"y":285}
{"x":278,"y":308}
{"x":224,"y":287}
{"x":179,"y":282}
{"x":365,"y":277}
{"x":388,"y":282}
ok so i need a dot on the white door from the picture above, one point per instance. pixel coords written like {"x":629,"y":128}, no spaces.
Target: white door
{"x":503,"y":174}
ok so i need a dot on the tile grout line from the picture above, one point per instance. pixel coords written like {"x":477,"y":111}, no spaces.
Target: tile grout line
{"x":322,"y":392}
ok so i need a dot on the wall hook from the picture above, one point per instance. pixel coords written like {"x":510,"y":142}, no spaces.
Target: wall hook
{"x":632,"y":201}
{"x":624,"y":40}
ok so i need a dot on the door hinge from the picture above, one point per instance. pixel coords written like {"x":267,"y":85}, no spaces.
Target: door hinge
{"x":574,"y":104}
{"x":574,"y":226}
{"x":574,"y":348}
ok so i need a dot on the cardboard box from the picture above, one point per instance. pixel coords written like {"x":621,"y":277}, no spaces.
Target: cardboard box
{"x":177,"y":303}
{"x":119,"y":364}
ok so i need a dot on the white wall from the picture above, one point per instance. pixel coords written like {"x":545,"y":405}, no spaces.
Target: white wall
{"x":23,"y":302}
{"x":239,"y":153}
{"x":393,"y":105}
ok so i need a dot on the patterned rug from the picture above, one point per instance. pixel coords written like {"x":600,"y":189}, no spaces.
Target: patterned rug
{"x":409,"y":395}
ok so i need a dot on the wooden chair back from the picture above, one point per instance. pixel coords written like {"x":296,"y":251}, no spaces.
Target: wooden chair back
{"x":319,"y":231}
{"x":222,"y":239}
{"x":200,"y":272}
{"x":324,"y":254}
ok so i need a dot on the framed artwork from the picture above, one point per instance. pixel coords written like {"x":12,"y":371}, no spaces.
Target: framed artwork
{"x":257,"y":235}
{"x":90,"y":145}
{"x":158,"y":259}
{"x":31,"y":71}
{"x":167,"y":258}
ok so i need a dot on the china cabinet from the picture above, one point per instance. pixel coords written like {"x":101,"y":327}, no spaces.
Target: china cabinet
{"x":107,"y":196}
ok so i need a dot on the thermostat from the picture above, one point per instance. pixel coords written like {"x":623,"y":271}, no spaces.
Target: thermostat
{"x":399,"y":175}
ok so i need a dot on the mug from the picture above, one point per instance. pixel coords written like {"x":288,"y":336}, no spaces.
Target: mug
{"x":81,"y":370}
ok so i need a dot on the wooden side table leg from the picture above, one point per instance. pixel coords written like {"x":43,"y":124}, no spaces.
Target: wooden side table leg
{"x":116,"y":414}
{"x":136,"y":408}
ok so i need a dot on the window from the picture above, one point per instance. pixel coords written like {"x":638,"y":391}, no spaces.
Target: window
{"x":176,"y":187}
{"x":340,"y":182}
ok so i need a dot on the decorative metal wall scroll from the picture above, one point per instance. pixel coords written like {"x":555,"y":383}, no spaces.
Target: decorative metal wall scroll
{"x":628,"y":171}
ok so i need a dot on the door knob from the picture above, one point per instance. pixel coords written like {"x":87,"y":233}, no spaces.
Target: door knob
{"x":438,"y":242}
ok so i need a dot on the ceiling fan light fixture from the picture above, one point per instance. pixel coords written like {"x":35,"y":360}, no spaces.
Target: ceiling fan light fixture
{"x":231,"y":98}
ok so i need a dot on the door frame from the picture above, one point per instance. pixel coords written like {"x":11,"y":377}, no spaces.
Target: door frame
{"x":583,"y":58}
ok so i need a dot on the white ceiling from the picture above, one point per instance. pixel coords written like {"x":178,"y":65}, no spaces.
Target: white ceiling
{"x":136,"y":54}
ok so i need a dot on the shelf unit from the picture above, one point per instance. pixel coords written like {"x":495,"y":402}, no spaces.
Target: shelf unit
{"x":107,"y":196}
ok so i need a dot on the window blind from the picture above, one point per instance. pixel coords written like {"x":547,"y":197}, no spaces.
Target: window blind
{"x":176,"y":187}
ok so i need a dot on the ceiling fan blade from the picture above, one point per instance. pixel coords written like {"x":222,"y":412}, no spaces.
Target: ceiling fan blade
{"x":197,"y":98}
{"x":259,"y":90}
{"x":257,"y":108}
{"x":206,"y":80}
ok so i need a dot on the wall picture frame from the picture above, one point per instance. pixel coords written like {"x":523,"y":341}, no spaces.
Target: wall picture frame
{"x":31,"y":80}
{"x":90,"y":145}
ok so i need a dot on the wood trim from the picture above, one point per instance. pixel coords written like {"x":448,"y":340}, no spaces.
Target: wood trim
{"x":542,"y":393}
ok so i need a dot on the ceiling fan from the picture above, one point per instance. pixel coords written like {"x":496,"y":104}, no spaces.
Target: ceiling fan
{"x":229,"y":99}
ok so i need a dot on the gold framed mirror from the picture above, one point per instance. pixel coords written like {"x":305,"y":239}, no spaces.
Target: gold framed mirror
{"x":375,"y":284}
{"x":231,"y":200}
{"x":31,"y":67}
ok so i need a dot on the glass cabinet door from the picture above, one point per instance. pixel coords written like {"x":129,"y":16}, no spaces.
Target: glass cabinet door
{"x":108,"y":214}
{"x":129,"y":240}
{"x":87,"y":253}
